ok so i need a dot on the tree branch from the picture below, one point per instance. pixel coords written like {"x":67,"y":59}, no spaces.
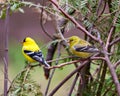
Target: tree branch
{"x":63,"y":64}
{"x":41,"y":22}
{"x":73,"y":85}
{"x":113,"y":74}
{"x":114,"y":41}
{"x":116,"y":64}
{"x":73,"y":20}
{"x":6,"y":51}
{"x":67,"y":78}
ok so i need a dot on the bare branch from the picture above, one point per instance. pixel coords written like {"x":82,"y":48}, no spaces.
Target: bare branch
{"x":42,"y":26}
{"x":53,"y":71}
{"x":67,"y":78}
{"x":99,"y":8}
{"x":115,"y":41}
{"x":63,"y":64}
{"x":73,"y":85}
{"x":116,"y":64}
{"x":99,"y":4}
{"x":113,"y":73}
{"x":6,"y":52}
{"x":63,"y":58}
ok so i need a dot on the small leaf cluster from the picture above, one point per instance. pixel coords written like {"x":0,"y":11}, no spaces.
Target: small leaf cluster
{"x":23,"y":85}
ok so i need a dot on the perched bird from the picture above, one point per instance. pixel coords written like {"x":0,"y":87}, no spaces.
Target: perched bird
{"x":32,"y":52}
{"x":80,"y":47}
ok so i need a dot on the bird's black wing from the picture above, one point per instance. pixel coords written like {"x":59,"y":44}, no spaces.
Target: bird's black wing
{"x":88,"y":48}
{"x":37,"y":56}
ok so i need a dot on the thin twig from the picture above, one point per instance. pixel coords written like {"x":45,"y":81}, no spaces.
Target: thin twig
{"x":41,"y":23}
{"x":97,"y":58}
{"x":98,"y":8}
{"x":73,"y":85}
{"x":111,"y":30}
{"x":115,"y":41}
{"x":6,"y":52}
{"x":99,"y":4}
{"x":116,"y":64}
{"x":63,"y":58}
{"x":63,"y":64}
{"x":102,"y":79}
{"x":108,"y":89}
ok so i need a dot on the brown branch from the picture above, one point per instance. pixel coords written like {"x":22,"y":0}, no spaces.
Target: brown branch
{"x":102,"y":79}
{"x":113,"y":73}
{"x":106,"y":49}
{"x":99,"y":4}
{"x":53,"y":71}
{"x":111,"y":30}
{"x":41,"y":23}
{"x":115,"y":41}
{"x":63,"y":64}
{"x":50,"y":54}
{"x":73,"y":20}
{"x":116,"y":64}
{"x":58,"y":59}
{"x":6,"y":51}
{"x":107,"y":89}
{"x":67,"y":63}
{"x":73,"y":85}
{"x":99,"y":8}
{"x":97,"y":58}
{"x":67,"y":78}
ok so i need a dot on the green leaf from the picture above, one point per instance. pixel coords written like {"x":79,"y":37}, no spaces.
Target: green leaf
{"x":14,"y":7}
{"x":3,"y":14}
{"x":21,"y":10}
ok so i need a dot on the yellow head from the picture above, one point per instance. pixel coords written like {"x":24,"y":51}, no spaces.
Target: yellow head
{"x":28,"y":40}
{"x":73,"y":40}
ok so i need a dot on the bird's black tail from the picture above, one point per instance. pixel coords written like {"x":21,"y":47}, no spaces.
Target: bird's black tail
{"x":46,"y":64}
{"x":46,"y":71}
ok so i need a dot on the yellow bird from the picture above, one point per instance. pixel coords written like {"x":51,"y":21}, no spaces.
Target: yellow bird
{"x":32,"y":52}
{"x":80,"y":47}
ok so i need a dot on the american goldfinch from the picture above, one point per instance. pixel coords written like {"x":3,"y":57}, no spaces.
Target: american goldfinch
{"x":32,"y":52}
{"x":80,"y":47}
